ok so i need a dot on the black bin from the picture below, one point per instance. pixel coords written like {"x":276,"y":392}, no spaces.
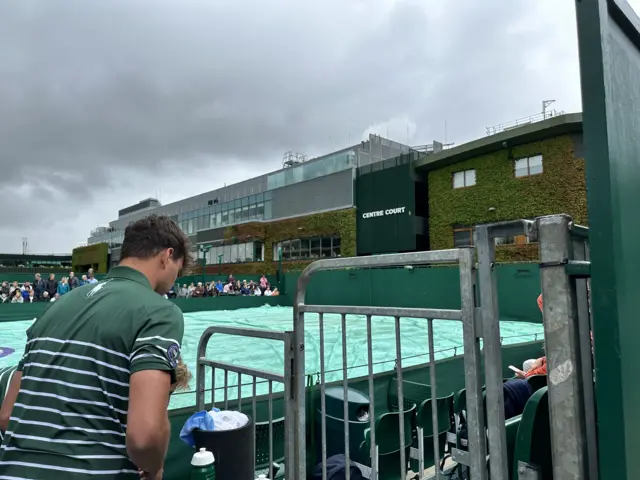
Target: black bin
{"x":234,"y":451}
{"x":359,"y":404}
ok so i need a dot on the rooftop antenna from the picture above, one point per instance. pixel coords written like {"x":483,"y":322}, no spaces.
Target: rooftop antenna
{"x":25,"y":245}
{"x":545,"y":104}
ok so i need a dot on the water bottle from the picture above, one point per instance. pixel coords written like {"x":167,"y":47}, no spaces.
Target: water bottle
{"x":202,"y":467}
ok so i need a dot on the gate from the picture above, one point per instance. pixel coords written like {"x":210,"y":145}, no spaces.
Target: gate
{"x":564,"y":276}
{"x":272,"y":426}
{"x":475,"y":457}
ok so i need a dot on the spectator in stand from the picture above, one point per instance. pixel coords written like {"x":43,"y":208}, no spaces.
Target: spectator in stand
{"x":198,"y":292}
{"x":219,"y":286}
{"x":51,"y":285}
{"x":17,"y":296}
{"x":73,"y":281}
{"x":275,"y":292}
{"x":191,"y":289}
{"x":63,"y":286}
{"x":263,"y":283}
{"x":90,"y":277}
{"x":227,"y":289}
{"x":245,"y":288}
{"x":268,"y":292}
{"x":14,"y":286}
{"x":39,"y":286}
{"x":184,"y":291}
{"x":257,"y":292}
{"x":26,"y":289}
{"x":84,"y":280}
{"x":45,"y":297}
{"x":30,"y":296}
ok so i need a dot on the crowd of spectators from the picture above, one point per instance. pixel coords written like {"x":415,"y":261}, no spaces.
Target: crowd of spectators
{"x":230,"y":287}
{"x":40,"y":290}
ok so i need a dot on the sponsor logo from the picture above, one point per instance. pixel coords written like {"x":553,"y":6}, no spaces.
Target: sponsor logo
{"x":97,"y":288}
{"x":382,"y":213}
{"x":173,"y":352}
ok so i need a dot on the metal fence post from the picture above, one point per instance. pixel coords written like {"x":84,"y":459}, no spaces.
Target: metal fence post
{"x":472,"y":367}
{"x":566,"y":410}
{"x":490,"y":319}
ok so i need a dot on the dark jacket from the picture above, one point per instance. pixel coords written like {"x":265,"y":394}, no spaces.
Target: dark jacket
{"x":337,"y":469}
{"x":39,"y":286}
{"x":52,"y":287}
{"x":73,"y":283}
{"x":516,"y":394}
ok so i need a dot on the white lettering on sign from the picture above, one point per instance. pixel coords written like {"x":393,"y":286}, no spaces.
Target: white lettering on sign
{"x":382,"y":213}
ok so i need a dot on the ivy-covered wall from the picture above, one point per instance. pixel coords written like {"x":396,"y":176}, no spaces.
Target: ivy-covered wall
{"x":338,"y":222}
{"x":560,"y":188}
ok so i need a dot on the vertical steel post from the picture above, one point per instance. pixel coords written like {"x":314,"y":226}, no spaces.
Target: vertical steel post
{"x":472,"y":367}
{"x":568,"y":430}
{"x":490,"y":319}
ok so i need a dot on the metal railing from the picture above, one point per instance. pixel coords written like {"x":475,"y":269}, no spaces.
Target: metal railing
{"x":476,"y":456}
{"x":286,"y":379}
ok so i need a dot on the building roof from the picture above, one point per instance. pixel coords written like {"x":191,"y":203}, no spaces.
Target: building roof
{"x":533,"y":132}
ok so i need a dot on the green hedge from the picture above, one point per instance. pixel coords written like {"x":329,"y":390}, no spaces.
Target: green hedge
{"x":337,"y":222}
{"x":560,"y":188}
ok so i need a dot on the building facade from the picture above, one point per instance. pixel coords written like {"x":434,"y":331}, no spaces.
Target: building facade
{"x":530,"y":171}
{"x":218,"y":218}
{"x":380,"y":197}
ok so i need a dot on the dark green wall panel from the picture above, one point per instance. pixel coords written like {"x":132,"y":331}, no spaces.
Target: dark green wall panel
{"x":439,"y":287}
{"x":380,"y":191}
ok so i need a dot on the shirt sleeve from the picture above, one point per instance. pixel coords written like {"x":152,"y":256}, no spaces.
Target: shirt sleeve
{"x":158,"y":341}
{"x":23,"y":360}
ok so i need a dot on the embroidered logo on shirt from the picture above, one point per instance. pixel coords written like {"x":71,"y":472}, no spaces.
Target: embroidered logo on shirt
{"x":173,"y":352}
{"x":97,"y":288}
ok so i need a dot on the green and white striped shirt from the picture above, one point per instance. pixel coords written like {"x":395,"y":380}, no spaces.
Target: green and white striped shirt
{"x":70,"y":416}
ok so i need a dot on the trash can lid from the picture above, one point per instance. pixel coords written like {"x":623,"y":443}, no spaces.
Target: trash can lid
{"x":202,"y":458}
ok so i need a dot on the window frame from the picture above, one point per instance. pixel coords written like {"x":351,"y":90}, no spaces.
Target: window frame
{"x":464,"y":178}
{"x":528,"y":160}
{"x":471,"y":229}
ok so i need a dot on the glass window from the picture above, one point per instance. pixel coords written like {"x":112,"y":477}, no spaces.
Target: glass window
{"x":463,"y":179}
{"x":245,"y":213}
{"x":244,"y":201}
{"x":315,"y":247}
{"x":268,"y":195}
{"x":304,"y":248}
{"x":253,"y":212}
{"x":260,"y":211}
{"x":232,"y":217}
{"x":260,"y":197}
{"x":326,"y":247}
{"x":335,"y":246}
{"x":252,"y":199}
{"x":295,"y":249}
{"x":525,"y":167}
{"x":238,"y":214}
{"x":237,"y":203}
{"x":219,"y":219}
{"x":227,"y":254}
{"x":286,"y":250}
{"x":267,"y":210}
{"x":463,"y":237}
{"x":212,"y":221}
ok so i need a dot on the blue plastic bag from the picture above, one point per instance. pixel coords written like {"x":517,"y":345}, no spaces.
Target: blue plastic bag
{"x":200,"y":420}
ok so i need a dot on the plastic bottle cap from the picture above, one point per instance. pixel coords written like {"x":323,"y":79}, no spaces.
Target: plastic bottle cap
{"x":202,"y":458}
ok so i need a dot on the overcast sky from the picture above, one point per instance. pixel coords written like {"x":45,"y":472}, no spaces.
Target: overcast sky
{"x":104,"y":103}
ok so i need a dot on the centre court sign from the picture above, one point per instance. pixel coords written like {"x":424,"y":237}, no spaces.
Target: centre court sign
{"x":383,"y":213}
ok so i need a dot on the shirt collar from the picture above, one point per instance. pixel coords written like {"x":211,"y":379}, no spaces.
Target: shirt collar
{"x":129,"y":273}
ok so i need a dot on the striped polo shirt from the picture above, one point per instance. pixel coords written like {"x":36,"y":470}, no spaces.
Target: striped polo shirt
{"x":70,"y":416}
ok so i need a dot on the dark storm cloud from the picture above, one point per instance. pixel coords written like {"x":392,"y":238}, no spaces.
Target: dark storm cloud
{"x":89,"y":89}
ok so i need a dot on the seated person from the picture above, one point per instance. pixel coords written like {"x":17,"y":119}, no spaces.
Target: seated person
{"x":516,"y":394}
